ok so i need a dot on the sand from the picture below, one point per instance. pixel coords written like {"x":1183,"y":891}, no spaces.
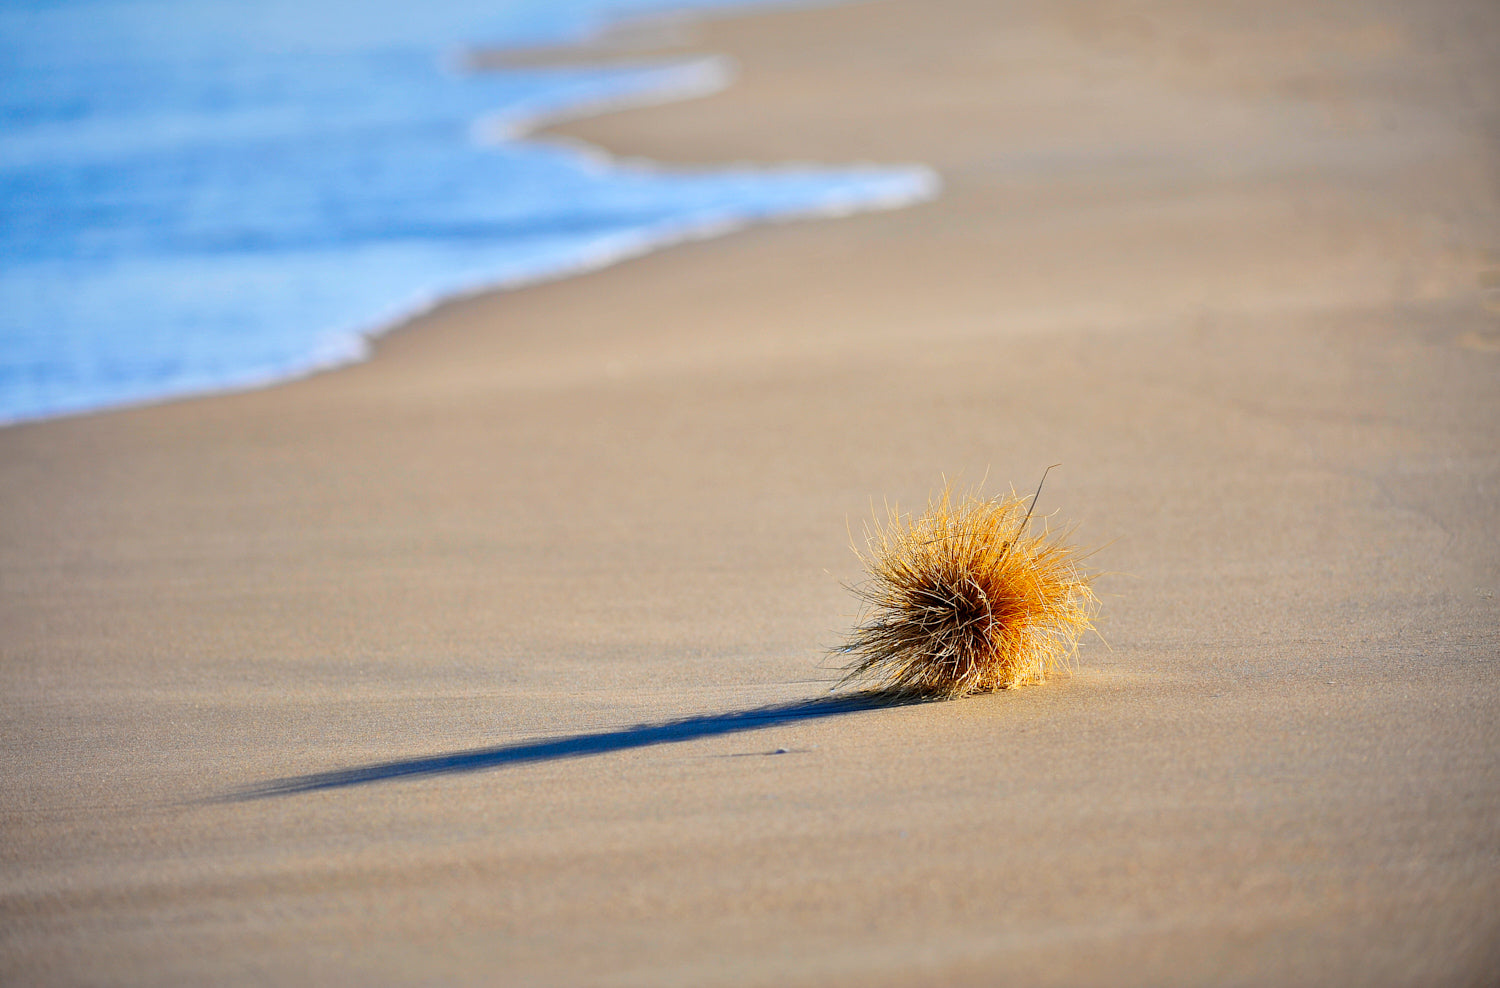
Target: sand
{"x":1233,"y":266}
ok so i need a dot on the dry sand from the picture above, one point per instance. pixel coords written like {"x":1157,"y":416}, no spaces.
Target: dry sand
{"x":1227,"y":263}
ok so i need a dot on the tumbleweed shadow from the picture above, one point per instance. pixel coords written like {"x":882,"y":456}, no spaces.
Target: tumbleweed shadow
{"x":571,"y":746}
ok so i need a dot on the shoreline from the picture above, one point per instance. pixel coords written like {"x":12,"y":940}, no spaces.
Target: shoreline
{"x":659,"y":81}
{"x":442,"y":611}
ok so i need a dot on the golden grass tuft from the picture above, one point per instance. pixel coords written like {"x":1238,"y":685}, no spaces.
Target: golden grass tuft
{"x":967,"y":598}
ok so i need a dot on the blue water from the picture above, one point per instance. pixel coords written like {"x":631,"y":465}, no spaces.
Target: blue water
{"x":198,"y":195}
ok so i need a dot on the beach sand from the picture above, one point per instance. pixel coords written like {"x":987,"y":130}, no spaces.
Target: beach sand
{"x":1233,"y":266}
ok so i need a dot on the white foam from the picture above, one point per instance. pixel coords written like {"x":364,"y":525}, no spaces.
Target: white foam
{"x":657,"y":85}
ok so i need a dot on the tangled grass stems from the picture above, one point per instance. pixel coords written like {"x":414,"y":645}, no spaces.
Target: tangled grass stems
{"x":967,"y":598}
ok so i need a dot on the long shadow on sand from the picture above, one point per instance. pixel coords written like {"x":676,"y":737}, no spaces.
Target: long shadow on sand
{"x":574,"y":746}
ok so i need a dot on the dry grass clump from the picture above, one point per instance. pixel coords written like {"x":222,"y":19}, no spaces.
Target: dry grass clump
{"x":967,"y":598}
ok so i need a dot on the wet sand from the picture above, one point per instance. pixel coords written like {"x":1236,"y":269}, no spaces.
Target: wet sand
{"x":497,"y":659}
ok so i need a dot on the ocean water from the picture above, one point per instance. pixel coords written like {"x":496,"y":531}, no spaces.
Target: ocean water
{"x":200,"y":195}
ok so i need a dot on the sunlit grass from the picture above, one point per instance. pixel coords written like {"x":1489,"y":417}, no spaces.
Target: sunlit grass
{"x":969,"y":597}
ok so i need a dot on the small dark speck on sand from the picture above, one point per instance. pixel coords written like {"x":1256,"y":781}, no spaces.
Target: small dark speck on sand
{"x":779,"y":751}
